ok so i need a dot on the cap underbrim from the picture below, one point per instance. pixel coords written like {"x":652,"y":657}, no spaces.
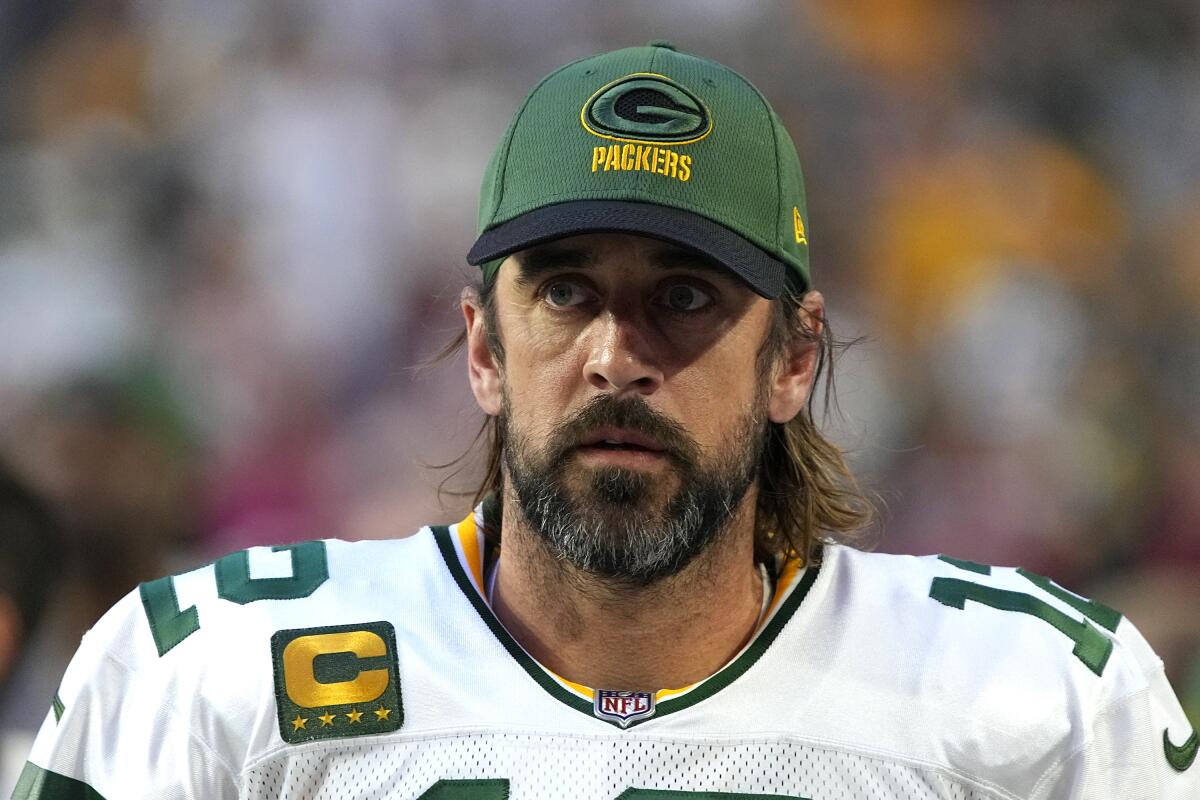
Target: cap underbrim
{"x":763,"y":273}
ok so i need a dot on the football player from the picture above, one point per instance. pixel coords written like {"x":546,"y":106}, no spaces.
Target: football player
{"x":648,"y":601}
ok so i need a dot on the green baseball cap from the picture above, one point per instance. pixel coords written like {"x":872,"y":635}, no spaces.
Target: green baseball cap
{"x":651,"y":141}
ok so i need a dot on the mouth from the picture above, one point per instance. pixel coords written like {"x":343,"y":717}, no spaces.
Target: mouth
{"x":621,"y":439}
{"x":619,"y":446}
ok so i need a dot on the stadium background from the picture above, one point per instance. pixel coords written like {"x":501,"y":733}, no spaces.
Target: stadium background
{"x":229,"y":231}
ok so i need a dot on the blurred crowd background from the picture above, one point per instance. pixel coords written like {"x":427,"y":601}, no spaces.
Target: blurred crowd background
{"x":230,"y":231}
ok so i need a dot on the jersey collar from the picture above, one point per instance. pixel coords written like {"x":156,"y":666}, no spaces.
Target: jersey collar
{"x":465,"y":550}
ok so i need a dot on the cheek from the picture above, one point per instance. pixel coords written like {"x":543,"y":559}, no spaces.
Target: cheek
{"x":540,"y":385}
{"x":713,"y":397}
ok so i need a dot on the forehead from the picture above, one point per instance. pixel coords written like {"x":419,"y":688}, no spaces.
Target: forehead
{"x":613,"y":251}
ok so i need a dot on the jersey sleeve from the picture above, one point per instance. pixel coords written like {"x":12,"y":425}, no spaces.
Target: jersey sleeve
{"x":1141,"y":747}
{"x":114,"y":730}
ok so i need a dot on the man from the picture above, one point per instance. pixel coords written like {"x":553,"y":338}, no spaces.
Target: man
{"x":648,"y":603}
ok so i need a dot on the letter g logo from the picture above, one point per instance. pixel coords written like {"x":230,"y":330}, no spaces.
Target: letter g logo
{"x":647,"y":109}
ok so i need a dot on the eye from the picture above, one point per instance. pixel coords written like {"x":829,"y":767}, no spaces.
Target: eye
{"x":686,"y":297}
{"x":564,"y":294}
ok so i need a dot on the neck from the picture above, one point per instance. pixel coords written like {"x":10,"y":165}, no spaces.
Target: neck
{"x":670,"y":634}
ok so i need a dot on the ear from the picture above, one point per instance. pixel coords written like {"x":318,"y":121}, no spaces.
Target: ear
{"x":792,"y":383}
{"x":482,"y":368}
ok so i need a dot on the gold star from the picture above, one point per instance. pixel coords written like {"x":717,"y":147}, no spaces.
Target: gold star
{"x":354,"y":716}
{"x":326,"y":719}
{"x":382,"y":713}
{"x":299,"y":722}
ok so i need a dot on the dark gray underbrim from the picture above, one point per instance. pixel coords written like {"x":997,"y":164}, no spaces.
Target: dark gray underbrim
{"x":764,"y":273}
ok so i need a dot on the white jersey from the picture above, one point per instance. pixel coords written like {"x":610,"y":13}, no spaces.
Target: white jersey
{"x":377,"y":670}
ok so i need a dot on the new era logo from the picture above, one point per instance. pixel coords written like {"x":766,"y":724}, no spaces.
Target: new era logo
{"x":798,"y":226}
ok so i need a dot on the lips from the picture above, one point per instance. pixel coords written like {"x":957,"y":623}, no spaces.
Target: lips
{"x":621,"y":439}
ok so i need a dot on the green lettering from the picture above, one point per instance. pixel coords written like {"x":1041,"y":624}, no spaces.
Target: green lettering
{"x":309,"y":571}
{"x":1099,"y":613}
{"x":969,"y":566}
{"x":497,"y":789}
{"x":1091,"y":646}
{"x":490,"y":789}
{"x":672,"y":794}
{"x":168,"y":624}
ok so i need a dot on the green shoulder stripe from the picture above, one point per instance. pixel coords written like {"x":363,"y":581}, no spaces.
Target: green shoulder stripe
{"x":36,"y":783}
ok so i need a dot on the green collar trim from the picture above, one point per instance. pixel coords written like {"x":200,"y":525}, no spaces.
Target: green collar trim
{"x":702,"y":691}
{"x":441,"y":533}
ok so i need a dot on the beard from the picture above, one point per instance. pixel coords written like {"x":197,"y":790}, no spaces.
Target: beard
{"x":628,"y":527}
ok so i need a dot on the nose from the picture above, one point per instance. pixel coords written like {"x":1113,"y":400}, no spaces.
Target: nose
{"x":620,"y":359}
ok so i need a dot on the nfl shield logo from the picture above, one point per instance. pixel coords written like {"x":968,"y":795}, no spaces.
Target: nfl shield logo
{"x":623,"y":708}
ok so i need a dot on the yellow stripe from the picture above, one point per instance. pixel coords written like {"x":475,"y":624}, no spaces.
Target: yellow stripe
{"x":468,"y":538}
{"x":662,"y":694}
{"x":790,"y":568}
{"x":590,"y":694}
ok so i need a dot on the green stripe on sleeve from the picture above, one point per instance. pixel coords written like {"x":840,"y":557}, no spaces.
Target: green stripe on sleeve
{"x":36,"y":783}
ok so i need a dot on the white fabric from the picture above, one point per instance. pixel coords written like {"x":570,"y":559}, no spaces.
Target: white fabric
{"x":871,"y":689}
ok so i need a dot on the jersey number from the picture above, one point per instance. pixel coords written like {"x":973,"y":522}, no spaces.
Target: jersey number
{"x":497,"y":789}
{"x":171,"y":625}
{"x":1091,"y":646}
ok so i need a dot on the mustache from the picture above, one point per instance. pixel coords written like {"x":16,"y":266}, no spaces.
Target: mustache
{"x":630,"y":413}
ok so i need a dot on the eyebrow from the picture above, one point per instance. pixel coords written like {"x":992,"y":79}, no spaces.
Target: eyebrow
{"x":548,"y":258}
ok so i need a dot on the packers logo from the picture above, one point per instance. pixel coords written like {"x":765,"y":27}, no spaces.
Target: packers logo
{"x":336,"y":681}
{"x":645,"y":108}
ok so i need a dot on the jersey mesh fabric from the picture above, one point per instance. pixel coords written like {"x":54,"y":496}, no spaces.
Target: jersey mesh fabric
{"x":582,"y":768}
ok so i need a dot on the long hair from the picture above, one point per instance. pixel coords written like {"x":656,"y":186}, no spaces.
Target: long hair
{"x":806,"y":492}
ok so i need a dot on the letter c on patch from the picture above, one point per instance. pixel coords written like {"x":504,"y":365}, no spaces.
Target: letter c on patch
{"x":301,"y":681}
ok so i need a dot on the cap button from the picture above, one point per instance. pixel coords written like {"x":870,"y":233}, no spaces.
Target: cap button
{"x":660,"y":43}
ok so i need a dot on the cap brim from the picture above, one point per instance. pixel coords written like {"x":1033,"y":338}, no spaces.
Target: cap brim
{"x":763,"y":273}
